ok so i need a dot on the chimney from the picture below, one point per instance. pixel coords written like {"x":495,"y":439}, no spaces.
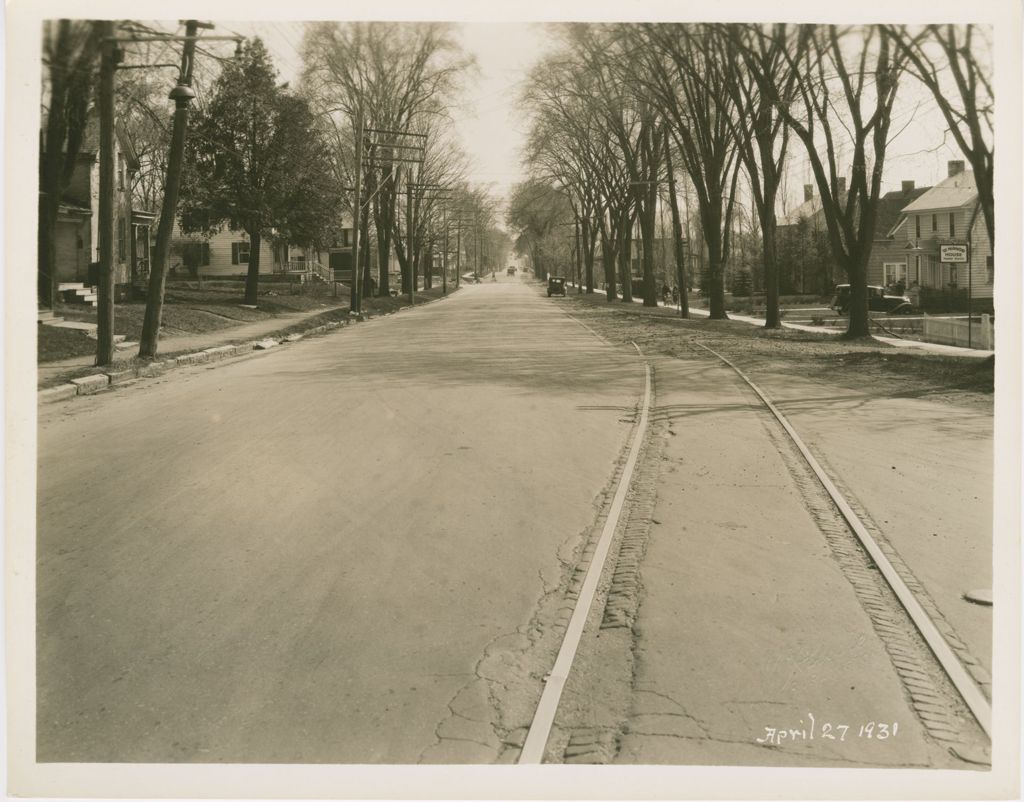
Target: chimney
{"x":808,"y":192}
{"x":955,"y":168}
{"x":908,"y":186}
{"x":842,"y":185}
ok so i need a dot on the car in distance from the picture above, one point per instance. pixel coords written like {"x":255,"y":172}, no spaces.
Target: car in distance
{"x":511,"y":271}
{"x":879,"y":300}
{"x":556,"y":286}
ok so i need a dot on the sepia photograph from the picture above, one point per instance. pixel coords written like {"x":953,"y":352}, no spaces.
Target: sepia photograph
{"x":592,"y":402}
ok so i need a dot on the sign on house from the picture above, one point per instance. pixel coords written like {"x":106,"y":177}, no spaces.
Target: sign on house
{"x":953,"y":253}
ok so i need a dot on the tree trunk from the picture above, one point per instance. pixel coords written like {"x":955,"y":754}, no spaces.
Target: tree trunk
{"x":252,"y":277}
{"x":772,"y":317}
{"x":588,"y":253}
{"x":859,"y":318}
{"x":428,"y":268}
{"x":383,"y":213}
{"x":650,"y":290}
{"x":626,"y":257}
{"x":677,"y":236}
{"x":608,"y":260}
{"x":364,"y":248}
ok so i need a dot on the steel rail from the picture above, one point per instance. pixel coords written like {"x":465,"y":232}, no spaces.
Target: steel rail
{"x":975,"y":700}
{"x":544,"y":716}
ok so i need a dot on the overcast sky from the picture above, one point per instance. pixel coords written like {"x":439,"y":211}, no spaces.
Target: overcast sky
{"x":493,"y":129}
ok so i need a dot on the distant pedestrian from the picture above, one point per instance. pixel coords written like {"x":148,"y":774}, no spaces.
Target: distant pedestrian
{"x":664,"y":294}
{"x":675,"y":296}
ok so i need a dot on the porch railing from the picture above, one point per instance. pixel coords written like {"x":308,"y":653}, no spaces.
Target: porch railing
{"x":306,"y":269}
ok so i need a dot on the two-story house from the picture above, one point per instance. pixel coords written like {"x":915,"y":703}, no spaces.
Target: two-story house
{"x":947,"y":214}
{"x":77,"y":236}
{"x":888,"y":263}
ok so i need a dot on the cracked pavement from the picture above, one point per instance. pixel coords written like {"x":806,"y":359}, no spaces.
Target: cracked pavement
{"x":331,"y":553}
{"x":747,"y":625}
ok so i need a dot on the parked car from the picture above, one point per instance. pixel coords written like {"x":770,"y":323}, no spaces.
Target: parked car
{"x":556,"y":286}
{"x":511,"y":271}
{"x":879,"y":300}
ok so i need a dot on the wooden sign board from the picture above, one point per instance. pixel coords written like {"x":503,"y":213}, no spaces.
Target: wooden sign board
{"x":953,"y":253}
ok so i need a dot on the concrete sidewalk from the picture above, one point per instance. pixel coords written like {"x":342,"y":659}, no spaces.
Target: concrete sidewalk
{"x":48,"y":371}
{"x":897,"y":342}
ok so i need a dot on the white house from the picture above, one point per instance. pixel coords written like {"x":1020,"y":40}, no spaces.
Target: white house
{"x":947,"y":214}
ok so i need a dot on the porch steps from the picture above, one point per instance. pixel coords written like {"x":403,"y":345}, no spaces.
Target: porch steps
{"x":73,"y":292}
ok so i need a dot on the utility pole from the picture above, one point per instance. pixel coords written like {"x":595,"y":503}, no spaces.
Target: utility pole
{"x":408,"y":240}
{"x":105,"y":293}
{"x":444,"y":258}
{"x":476,"y":246}
{"x":355,"y":299}
{"x":458,"y":254}
{"x":182,"y":94}
{"x":579,"y":261}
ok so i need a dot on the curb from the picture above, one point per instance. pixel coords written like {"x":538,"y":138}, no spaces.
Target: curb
{"x":95,"y":383}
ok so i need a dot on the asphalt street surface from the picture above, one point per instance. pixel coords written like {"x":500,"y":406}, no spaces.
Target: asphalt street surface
{"x":360,"y":549}
{"x":302,"y":556}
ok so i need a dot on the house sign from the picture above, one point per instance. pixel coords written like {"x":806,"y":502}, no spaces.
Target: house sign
{"x":953,"y":253}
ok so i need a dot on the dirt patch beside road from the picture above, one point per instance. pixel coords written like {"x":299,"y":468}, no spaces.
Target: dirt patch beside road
{"x":866,"y":365}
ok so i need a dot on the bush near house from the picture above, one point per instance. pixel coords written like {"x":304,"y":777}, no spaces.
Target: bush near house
{"x":944,"y":300}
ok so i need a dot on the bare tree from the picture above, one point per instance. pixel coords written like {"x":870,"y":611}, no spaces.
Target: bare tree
{"x":567,"y":145}
{"x":688,"y":82}
{"x":956,"y":68}
{"x":846,"y":83}
{"x":761,"y":79}
{"x":394,"y":73}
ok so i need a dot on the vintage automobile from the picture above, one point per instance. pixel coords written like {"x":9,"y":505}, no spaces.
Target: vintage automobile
{"x":511,"y":271}
{"x":879,"y":300}
{"x":556,"y":286}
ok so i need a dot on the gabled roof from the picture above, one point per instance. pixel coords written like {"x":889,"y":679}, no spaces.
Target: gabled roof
{"x":952,"y":193}
{"x":805,"y":210}
{"x":890,"y":209}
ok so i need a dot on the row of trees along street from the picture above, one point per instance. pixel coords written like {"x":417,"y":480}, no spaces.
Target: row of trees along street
{"x":626,"y":119}
{"x":370,"y":114}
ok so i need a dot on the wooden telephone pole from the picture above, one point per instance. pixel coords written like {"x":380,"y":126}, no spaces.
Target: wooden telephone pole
{"x":182,"y":94}
{"x":109,"y":55}
{"x":356,"y":299}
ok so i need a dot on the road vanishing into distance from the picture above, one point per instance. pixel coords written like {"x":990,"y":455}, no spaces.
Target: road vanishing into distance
{"x":366,"y":547}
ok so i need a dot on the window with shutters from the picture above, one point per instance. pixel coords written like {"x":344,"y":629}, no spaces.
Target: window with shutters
{"x":952,"y":225}
{"x":917,"y":226}
{"x":121,"y":240}
{"x":935,"y":222}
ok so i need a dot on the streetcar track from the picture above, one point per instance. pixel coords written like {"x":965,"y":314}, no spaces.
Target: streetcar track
{"x":544,"y":716}
{"x":944,"y":684}
{"x":947,"y":657}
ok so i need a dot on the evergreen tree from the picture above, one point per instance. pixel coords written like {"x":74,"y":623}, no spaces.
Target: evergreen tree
{"x":257,"y":162}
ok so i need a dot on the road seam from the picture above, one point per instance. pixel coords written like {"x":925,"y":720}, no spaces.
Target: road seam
{"x":540,"y":728}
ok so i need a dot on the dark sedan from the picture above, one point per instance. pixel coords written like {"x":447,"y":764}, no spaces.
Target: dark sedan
{"x":879,"y":300}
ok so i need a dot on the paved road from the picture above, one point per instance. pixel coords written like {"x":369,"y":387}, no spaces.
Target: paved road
{"x":305,"y":556}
